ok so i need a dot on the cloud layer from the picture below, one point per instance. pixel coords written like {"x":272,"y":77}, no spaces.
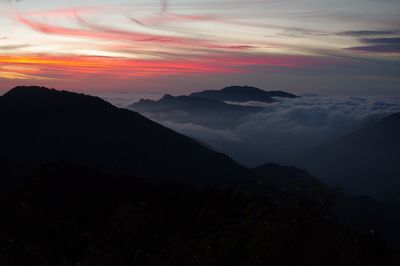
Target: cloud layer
{"x":389,"y":45}
{"x":285,"y":129}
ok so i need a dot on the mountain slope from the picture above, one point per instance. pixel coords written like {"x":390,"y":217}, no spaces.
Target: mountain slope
{"x":188,"y":109}
{"x":366,"y":161}
{"x":287,"y":179}
{"x":47,"y":125}
{"x":242,"y":94}
{"x":362,"y":212}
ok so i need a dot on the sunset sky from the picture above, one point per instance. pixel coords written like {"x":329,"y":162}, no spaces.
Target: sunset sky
{"x":330,"y":47}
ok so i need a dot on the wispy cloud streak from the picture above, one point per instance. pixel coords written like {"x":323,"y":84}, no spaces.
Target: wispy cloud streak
{"x":378,"y":45}
{"x":364,"y":33}
{"x":59,"y":67}
{"x":100,"y":32}
{"x":159,"y":38}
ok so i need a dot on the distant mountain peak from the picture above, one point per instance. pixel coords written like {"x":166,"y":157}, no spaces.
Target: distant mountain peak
{"x":242,"y":94}
{"x":197,"y":110}
{"x":241,"y":89}
{"x":168,"y":97}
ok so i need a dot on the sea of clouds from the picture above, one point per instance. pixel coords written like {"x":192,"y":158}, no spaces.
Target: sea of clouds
{"x":290,"y":126}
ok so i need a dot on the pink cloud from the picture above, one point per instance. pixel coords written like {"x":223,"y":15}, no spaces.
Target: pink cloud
{"x":94,"y":31}
{"x":105,"y":33}
{"x":78,"y":67}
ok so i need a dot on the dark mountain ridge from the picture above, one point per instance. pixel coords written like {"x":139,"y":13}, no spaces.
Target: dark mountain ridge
{"x":169,"y":102}
{"x":242,"y":94}
{"x":47,"y":125}
{"x":189,"y":109}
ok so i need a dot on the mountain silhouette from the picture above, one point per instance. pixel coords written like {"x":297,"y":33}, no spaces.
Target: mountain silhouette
{"x":46,"y":125}
{"x":362,"y":212}
{"x":366,"y":161}
{"x":242,"y":94}
{"x":288,"y":179}
{"x":189,"y":109}
{"x":50,"y":127}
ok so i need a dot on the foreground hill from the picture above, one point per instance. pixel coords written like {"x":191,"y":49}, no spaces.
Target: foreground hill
{"x":366,"y":161}
{"x":44,"y":125}
{"x":69,"y":215}
{"x":189,"y":109}
{"x":242,"y":94}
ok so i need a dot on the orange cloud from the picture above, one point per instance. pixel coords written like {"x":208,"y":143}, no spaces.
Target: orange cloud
{"x":65,"y":67}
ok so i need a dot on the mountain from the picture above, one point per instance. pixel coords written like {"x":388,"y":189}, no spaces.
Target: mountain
{"x":48,"y":129}
{"x":45,"y":125}
{"x":196,"y":110}
{"x":242,"y":94}
{"x":362,"y":212}
{"x":287,"y":179}
{"x":364,"y":162}
{"x":207,"y":108}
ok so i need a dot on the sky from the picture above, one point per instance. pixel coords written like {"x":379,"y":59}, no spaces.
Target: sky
{"x":151,"y":47}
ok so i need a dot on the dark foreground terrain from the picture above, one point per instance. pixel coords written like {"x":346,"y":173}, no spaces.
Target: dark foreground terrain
{"x":86,"y":183}
{"x":70,"y":215}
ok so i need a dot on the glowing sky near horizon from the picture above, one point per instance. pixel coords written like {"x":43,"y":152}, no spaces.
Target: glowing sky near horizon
{"x":334,"y":46}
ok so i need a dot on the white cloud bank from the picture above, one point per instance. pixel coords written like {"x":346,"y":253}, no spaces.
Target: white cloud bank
{"x":290,"y":126}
